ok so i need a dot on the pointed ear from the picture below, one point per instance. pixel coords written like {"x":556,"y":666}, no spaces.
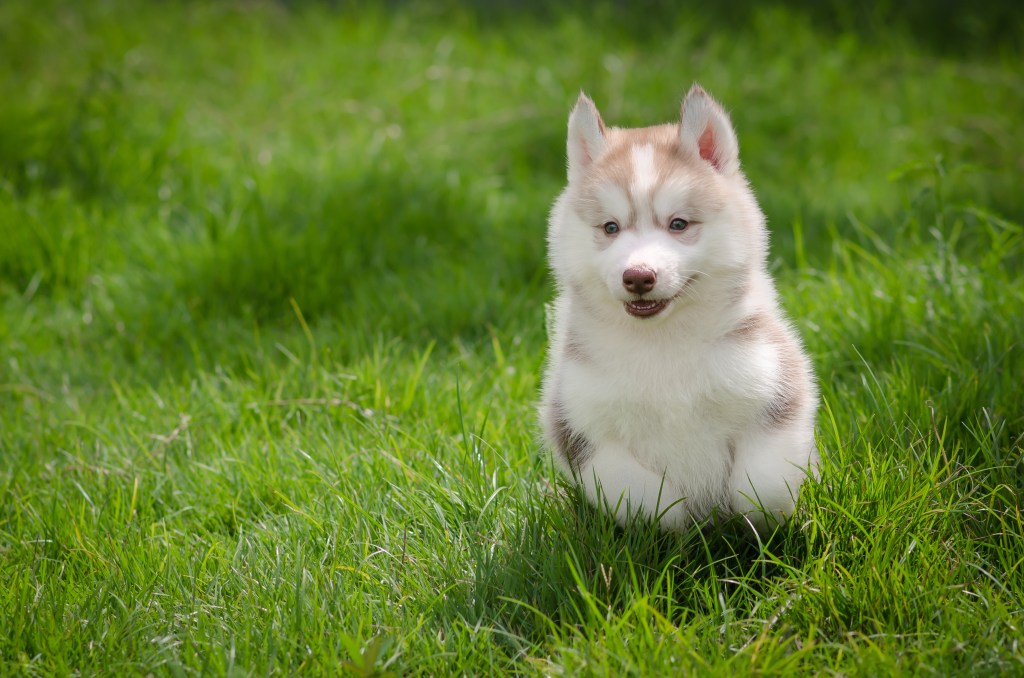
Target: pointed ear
{"x":586,"y":137}
{"x":706,"y":132}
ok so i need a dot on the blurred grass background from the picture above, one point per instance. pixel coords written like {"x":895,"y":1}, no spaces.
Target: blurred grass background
{"x":170,"y":177}
{"x":271,"y":303}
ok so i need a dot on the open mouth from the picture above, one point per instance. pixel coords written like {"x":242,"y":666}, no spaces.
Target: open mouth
{"x":646,"y":308}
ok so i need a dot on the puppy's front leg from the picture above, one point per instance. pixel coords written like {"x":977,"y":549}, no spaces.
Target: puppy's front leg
{"x":613,"y":476}
{"x":768,"y":469}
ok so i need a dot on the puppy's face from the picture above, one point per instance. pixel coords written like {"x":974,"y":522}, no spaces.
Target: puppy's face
{"x":649,"y":224}
{"x":651,"y":217}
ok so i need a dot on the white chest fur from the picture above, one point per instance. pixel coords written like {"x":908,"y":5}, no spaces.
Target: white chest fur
{"x":672,"y":404}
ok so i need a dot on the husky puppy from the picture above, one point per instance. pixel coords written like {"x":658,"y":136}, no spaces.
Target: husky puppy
{"x":674,"y":385}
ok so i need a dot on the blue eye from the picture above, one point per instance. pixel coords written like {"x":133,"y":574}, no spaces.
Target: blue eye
{"x":611,"y":228}
{"x":678,"y":224}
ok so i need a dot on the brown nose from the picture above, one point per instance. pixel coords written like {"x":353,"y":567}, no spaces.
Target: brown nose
{"x":639,"y":279}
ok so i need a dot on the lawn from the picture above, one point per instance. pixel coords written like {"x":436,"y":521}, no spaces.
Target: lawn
{"x":272,"y":289}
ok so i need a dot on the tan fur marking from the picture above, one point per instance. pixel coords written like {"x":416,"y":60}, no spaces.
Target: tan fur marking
{"x":784,"y":407}
{"x":570,"y":444}
{"x":751,"y":326}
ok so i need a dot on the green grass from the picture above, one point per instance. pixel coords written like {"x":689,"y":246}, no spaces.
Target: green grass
{"x":271,"y":321}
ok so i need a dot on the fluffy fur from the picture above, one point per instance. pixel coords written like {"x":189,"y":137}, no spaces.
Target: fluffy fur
{"x":674,"y":385}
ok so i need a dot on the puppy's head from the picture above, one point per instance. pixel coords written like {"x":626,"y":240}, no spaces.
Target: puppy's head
{"x":654,"y":218}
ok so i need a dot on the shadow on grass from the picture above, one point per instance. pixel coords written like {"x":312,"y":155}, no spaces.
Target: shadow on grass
{"x":569,"y":566}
